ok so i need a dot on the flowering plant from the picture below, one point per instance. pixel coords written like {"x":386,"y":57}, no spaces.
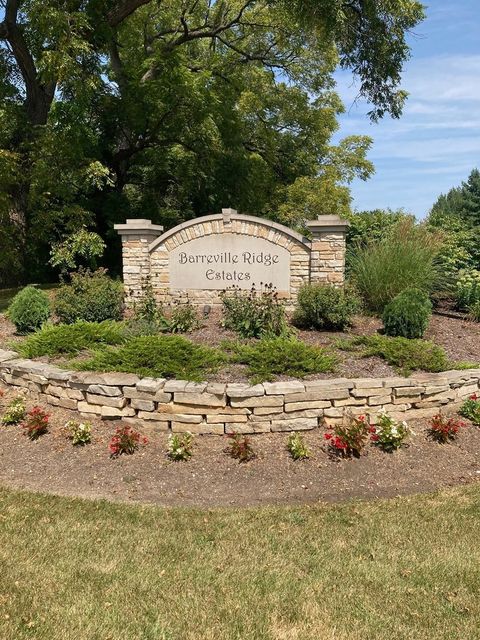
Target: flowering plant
{"x":79,"y":432}
{"x":389,"y":434}
{"x":180,"y":447}
{"x":241,"y":448}
{"x":297,"y":447}
{"x":348,"y":440}
{"x":15,"y":412}
{"x":470,"y":409}
{"x":443,"y":429}
{"x":125,"y":440}
{"x":35,"y":423}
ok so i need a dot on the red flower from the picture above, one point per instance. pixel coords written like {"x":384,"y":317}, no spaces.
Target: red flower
{"x":474,"y":397}
{"x":374,"y":438}
{"x":327,"y":436}
{"x":372,"y":429}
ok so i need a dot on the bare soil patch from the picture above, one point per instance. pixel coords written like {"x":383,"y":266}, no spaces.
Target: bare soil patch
{"x":212,"y":479}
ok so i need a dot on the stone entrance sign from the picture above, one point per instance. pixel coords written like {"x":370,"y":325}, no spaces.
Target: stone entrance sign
{"x":200,"y":258}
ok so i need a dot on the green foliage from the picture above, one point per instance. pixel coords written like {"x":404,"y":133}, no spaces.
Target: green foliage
{"x":180,"y":447}
{"x":408,"y":314}
{"x":156,"y":356}
{"x":404,"y":354}
{"x":468,"y":289}
{"x":240,"y":448}
{"x":470,"y":409}
{"x":80,"y":433}
{"x":368,"y":227}
{"x":389,"y":434}
{"x":91,"y":296}
{"x":324,"y":307}
{"x":271,"y":357}
{"x":29,"y":309}
{"x":474,"y":311}
{"x":184,"y":318}
{"x":81,"y":248}
{"x":15,"y":412}
{"x":348,"y":439}
{"x":405,"y":258}
{"x":297,"y":448}
{"x":54,"y":340}
{"x":254,"y":314}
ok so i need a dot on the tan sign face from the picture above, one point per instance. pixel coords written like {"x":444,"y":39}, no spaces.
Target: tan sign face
{"x":223,"y":260}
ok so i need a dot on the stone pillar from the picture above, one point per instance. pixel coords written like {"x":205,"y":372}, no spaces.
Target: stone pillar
{"x":327,"y":263}
{"x":136,"y":238}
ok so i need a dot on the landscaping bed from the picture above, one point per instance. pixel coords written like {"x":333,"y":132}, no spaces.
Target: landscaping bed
{"x":211,"y":478}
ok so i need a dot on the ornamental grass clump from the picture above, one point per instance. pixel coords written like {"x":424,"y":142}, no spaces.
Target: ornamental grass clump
{"x":125,"y":441}
{"x":408,"y":314}
{"x":470,"y":409}
{"x":15,"y":412}
{"x":297,"y":448}
{"x":252,"y":313}
{"x":348,"y":440}
{"x":180,"y":447}
{"x":240,"y":448}
{"x":443,"y":429}
{"x":389,"y":434}
{"x":80,"y":433}
{"x":35,"y":423}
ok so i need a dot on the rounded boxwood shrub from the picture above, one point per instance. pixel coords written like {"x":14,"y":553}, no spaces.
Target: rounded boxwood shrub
{"x":408,"y":314}
{"x":29,"y":309}
{"x":322,"y":306}
{"x":90,"y":296}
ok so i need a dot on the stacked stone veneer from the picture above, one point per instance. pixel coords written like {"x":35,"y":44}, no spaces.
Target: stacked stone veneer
{"x":146,"y":249}
{"x":217,"y":408}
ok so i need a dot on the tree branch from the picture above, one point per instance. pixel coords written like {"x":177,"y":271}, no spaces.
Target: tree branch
{"x":123,"y":10}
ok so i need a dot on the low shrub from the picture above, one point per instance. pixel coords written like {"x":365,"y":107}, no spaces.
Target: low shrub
{"x":402,"y":353}
{"x":443,"y":429}
{"x":71,"y":338}
{"x":156,"y":356}
{"x":125,"y":440}
{"x":297,"y":448}
{"x":15,"y":412}
{"x":240,"y":448}
{"x":474,"y":311}
{"x":80,"y":433}
{"x":408,"y":314}
{"x":389,"y":434}
{"x":29,"y":309}
{"x":470,"y":409}
{"x":349,"y":439}
{"x":184,"y":318}
{"x":90,"y":296}
{"x":325,"y":307}
{"x":253,"y":314}
{"x":270,"y":357}
{"x":468,"y":289}
{"x":180,"y":447}
{"x":406,"y":257}
{"x":35,"y":423}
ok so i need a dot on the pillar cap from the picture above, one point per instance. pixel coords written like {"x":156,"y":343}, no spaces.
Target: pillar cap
{"x":139,"y":227}
{"x":327,"y":224}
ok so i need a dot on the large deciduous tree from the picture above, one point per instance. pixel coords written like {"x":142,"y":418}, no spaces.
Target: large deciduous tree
{"x":173,"y":108}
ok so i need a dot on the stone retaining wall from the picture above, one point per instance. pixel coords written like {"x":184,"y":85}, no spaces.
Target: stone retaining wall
{"x":217,"y":408}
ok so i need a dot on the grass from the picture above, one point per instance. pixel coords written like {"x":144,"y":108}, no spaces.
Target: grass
{"x":156,"y":356}
{"x":79,"y":570}
{"x":270,"y":357}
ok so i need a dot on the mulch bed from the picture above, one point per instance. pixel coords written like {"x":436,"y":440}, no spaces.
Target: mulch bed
{"x":213,"y":479}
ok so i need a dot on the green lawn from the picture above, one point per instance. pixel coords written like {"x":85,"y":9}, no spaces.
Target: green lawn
{"x":404,"y":568}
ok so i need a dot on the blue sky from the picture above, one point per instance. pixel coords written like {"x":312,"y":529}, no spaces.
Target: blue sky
{"x":436,"y":143}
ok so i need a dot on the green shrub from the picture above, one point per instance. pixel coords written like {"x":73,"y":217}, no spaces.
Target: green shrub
{"x":254,"y":314}
{"x":270,"y":357}
{"x":468,"y":290}
{"x":408,"y":314}
{"x":15,"y":412}
{"x":59,"y":339}
{"x":402,"y":353}
{"x":297,"y":448}
{"x":92,"y":297}
{"x":325,"y":307}
{"x":405,"y":258}
{"x":180,"y":447}
{"x":474,"y":311}
{"x":156,"y":356}
{"x":29,"y":309}
{"x":470,"y":409}
{"x":183,"y":319}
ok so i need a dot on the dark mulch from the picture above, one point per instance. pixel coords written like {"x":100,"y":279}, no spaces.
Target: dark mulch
{"x":211,"y":478}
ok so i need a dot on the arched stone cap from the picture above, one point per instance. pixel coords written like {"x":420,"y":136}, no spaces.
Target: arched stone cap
{"x":227,"y":216}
